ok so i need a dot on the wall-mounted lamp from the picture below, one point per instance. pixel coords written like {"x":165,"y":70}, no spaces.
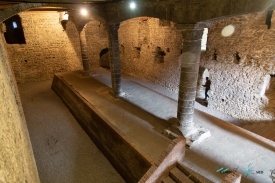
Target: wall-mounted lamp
{"x":64,"y":17}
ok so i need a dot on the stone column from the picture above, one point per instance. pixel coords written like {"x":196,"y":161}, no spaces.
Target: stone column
{"x":80,"y":24}
{"x":191,"y":48}
{"x":115,"y":60}
{"x":83,"y":46}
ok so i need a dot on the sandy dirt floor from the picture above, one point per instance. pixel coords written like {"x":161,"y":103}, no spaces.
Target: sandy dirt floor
{"x":63,"y":151}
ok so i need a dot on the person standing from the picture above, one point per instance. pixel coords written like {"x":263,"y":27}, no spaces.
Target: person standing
{"x":207,"y":87}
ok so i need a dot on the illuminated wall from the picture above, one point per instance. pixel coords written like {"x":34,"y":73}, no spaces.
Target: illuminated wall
{"x":48,"y":49}
{"x":97,"y":40}
{"x":241,"y":72}
{"x":17,"y":163}
{"x":150,"y":49}
{"x":239,"y":83}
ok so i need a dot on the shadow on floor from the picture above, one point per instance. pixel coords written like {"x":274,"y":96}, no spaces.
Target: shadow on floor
{"x":202,"y":102}
{"x":233,"y":129}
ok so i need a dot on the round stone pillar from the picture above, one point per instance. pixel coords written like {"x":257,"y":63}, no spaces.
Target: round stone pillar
{"x":115,"y":60}
{"x":83,"y":46}
{"x":191,"y":48}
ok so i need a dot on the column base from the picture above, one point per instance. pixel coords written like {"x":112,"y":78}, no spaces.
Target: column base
{"x":89,"y":73}
{"x":85,"y":73}
{"x":117,"y":94}
{"x":198,"y":135}
{"x":193,"y":136}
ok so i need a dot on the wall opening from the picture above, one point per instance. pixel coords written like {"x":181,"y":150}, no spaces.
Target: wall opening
{"x":104,"y":58}
{"x":159,"y":55}
{"x":270,"y":95}
{"x":204,"y":39}
{"x":215,"y":55}
{"x":14,"y":31}
{"x":203,"y":73}
{"x":137,"y":52}
{"x":237,"y":58}
{"x":268,"y":18}
{"x":265,"y":85}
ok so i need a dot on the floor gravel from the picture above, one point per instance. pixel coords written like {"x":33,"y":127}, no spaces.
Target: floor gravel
{"x":63,"y":151}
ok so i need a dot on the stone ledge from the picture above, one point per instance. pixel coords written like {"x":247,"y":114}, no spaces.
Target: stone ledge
{"x":130,"y":163}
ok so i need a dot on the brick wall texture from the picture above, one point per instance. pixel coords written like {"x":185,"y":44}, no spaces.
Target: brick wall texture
{"x":97,"y":40}
{"x":151,"y":49}
{"x":140,"y":41}
{"x":242,"y":88}
{"x":239,"y":88}
{"x":17,"y":163}
{"x":48,"y":49}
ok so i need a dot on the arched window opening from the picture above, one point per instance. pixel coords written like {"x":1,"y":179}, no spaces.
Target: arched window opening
{"x":204,"y":39}
{"x":104,"y":58}
{"x":203,"y":73}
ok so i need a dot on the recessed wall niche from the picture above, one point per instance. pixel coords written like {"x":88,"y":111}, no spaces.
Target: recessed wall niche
{"x":159,"y":55}
{"x":104,"y":58}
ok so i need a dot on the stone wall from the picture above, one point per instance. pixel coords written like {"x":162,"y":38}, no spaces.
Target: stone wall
{"x":17,"y":163}
{"x":48,"y":49}
{"x":252,"y":39}
{"x":238,"y":91}
{"x":97,"y":40}
{"x":239,"y":83}
{"x":150,"y":49}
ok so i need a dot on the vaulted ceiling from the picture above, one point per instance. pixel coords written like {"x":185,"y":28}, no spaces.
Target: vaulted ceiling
{"x":7,"y":4}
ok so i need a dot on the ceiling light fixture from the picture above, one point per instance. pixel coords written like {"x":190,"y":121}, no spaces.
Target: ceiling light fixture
{"x":84,"y":12}
{"x":132,"y":5}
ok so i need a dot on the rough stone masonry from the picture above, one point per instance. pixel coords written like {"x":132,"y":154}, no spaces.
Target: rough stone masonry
{"x":151,"y":48}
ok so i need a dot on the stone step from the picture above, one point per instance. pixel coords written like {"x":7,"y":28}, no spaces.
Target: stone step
{"x":190,"y":174}
{"x":167,"y":180}
{"x":270,"y":134}
{"x":194,"y":176}
{"x":248,"y":126}
{"x":254,"y":127}
{"x":178,"y":176}
{"x":263,"y":129}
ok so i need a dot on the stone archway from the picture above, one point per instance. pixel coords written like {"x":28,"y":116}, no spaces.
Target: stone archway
{"x":203,"y":73}
{"x":105,"y":58}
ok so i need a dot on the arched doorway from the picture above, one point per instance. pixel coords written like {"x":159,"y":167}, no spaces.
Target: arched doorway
{"x":203,"y":73}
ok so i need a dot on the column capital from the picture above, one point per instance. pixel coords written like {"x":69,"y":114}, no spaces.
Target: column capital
{"x":197,"y":26}
{"x":190,"y":31}
{"x":113,"y":25}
